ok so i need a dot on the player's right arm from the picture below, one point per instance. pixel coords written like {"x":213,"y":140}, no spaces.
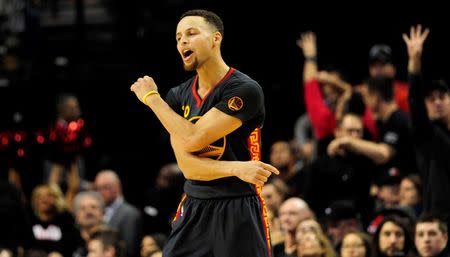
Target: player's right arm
{"x":205,"y":169}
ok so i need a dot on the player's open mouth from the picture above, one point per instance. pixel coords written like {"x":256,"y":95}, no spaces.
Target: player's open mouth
{"x":187,"y":54}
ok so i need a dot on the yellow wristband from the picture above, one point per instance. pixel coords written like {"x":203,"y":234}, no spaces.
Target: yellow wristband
{"x":149,"y":93}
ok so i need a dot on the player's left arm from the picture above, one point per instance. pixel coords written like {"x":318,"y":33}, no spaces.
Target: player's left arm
{"x":206,"y":169}
{"x":212,"y":126}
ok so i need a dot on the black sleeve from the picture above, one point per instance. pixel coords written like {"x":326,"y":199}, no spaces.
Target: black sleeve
{"x":421,"y":125}
{"x":172,"y":100}
{"x":243,"y":100}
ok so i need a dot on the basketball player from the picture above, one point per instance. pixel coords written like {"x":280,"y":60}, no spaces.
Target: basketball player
{"x":214,"y":121}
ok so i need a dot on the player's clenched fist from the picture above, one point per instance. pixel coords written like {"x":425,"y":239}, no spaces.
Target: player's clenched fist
{"x":142,"y":86}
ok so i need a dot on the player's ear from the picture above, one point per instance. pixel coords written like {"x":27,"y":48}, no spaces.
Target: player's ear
{"x":217,"y":38}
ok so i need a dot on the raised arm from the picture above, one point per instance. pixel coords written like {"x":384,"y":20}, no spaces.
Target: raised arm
{"x":322,"y":117}
{"x":414,"y":43}
{"x":211,"y":127}
{"x":206,"y":169}
{"x":307,"y":43}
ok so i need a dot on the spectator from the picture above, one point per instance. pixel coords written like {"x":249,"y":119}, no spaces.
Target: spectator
{"x":381,"y":63}
{"x":430,"y":112}
{"x":345,"y":174}
{"x":161,"y":200}
{"x":411,"y":194}
{"x":152,"y":245}
{"x":68,"y":141}
{"x":393,"y":238}
{"x":119,"y":214}
{"x":291,"y":213}
{"x":431,"y":236}
{"x":105,"y":243}
{"x":314,"y":244}
{"x":88,"y":209}
{"x":341,"y":218}
{"x":356,"y":244}
{"x":53,"y":226}
{"x":274,"y":193}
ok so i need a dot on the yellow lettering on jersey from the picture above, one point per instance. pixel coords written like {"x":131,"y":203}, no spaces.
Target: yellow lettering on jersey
{"x":186,"y":110}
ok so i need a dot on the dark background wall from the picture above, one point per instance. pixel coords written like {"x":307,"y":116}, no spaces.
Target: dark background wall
{"x":106,"y":52}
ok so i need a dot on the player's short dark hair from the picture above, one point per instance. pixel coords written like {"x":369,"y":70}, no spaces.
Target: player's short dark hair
{"x":382,"y":86}
{"x":209,"y":17}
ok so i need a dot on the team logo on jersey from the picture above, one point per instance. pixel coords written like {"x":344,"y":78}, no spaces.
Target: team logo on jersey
{"x":235,"y":103}
{"x":214,"y":150}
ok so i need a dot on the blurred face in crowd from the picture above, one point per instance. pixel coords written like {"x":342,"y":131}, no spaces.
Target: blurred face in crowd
{"x":408,"y":193}
{"x":429,"y":239}
{"x":350,"y":126}
{"x":306,"y":226}
{"x":353,"y":246}
{"x":292,"y":213}
{"x":148,"y":246}
{"x":96,"y":249}
{"x":281,"y":155}
{"x":45,"y":199}
{"x":309,"y":245}
{"x":438,"y":105}
{"x":337,"y":230}
{"x":382,"y":69}
{"x":272,"y":197}
{"x":107,"y":184}
{"x":89,"y":213}
{"x":71,"y":109}
{"x":392,"y":239}
{"x":389,"y":195}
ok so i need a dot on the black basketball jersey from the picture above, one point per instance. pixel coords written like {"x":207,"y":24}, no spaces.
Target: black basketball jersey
{"x":236,"y":95}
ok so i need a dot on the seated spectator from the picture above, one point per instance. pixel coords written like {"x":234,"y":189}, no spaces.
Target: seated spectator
{"x":411,"y":194}
{"x":393,"y":238}
{"x":88,"y":209}
{"x":152,"y":245}
{"x":431,"y":236}
{"x":308,"y":225}
{"x":53,"y":226}
{"x":313,"y":244}
{"x":283,"y":157}
{"x":341,"y":218}
{"x":105,"y":243}
{"x":356,"y":245}
{"x":304,"y":139}
{"x":274,"y":193}
{"x":291,"y":213}
{"x":160,"y":199}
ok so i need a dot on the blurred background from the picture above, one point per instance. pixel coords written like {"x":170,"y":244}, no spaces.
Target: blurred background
{"x":95,"y":49}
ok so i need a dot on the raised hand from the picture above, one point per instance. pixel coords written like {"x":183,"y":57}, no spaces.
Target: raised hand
{"x":142,"y":86}
{"x":307,"y":43}
{"x":254,"y":172}
{"x":414,"y":42}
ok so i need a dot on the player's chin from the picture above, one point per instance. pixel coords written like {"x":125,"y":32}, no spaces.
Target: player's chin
{"x":190,"y":66}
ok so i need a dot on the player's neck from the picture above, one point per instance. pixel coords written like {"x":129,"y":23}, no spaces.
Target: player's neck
{"x":211,"y":73}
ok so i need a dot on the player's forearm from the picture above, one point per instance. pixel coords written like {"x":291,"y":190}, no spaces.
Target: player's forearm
{"x":178,"y":127}
{"x":199,"y":168}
